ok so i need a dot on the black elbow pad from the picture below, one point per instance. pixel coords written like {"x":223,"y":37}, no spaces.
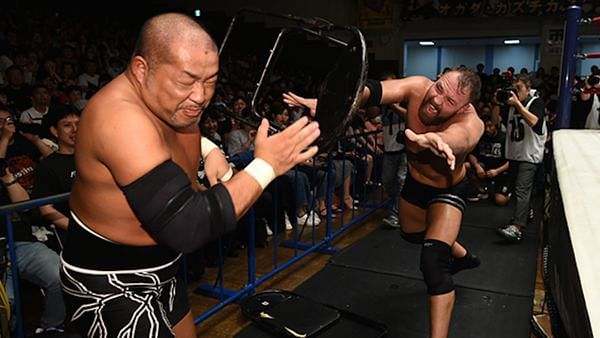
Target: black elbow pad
{"x":176,"y":215}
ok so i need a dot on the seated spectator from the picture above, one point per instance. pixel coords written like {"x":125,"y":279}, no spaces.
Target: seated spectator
{"x":75,"y":98}
{"x":241,"y":140}
{"x":40,"y":103}
{"x":54,"y":174}
{"x":68,"y":75}
{"x":209,"y":125}
{"x":48,"y":69}
{"x":488,"y":166}
{"x":354,"y":146}
{"x":281,"y":116}
{"x":21,"y":151}
{"x":36,"y":262}
{"x":3,"y":97}
{"x":17,"y":91}
{"x":89,"y":80}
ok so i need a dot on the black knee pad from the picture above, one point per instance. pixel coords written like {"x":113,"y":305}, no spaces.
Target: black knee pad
{"x":435,"y":265}
{"x":413,"y":237}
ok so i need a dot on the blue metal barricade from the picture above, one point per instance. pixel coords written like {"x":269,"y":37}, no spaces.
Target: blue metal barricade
{"x":301,"y":249}
{"x":227,"y":296}
{"x":6,"y":212}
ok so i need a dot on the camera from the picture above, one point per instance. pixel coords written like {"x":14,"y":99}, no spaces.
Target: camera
{"x":593,"y":80}
{"x":504,"y":94}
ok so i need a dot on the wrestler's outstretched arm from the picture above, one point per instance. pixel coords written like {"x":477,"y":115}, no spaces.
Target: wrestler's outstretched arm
{"x":458,"y":139}
{"x":433,"y":142}
{"x":374,"y":93}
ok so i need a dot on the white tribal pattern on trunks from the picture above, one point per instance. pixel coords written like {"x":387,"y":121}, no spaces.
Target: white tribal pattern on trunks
{"x":152,"y":290}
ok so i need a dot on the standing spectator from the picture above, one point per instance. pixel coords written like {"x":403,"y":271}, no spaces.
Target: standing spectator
{"x":526,"y":136}
{"x":394,"y":167}
{"x":482,"y":75}
{"x":589,"y":97}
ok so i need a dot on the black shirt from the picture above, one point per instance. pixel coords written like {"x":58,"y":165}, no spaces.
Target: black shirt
{"x":54,"y":175}
{"x":491,"y":150}
{"x":21,"y":222}
{"x":21,"y":158}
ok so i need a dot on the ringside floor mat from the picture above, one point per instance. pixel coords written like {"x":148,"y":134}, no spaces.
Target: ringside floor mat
{"x":401,"y":304}
{"x":384,"y":251}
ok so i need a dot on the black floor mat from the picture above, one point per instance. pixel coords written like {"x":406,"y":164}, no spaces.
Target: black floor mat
{"x":401,"y":304}
{"x":378,"y":277}
{"x":485,"y":214}
{"x":505,"y":268}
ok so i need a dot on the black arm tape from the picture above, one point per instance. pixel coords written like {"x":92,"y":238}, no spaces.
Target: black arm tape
{"x":435,"y":266}
{"x":176,"y":215}
{"x":451,"y":199}
{"x":375,"y":93}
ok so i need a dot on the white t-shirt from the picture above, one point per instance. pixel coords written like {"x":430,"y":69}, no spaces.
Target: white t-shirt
{"x":31,"y":115}
{"x":592,"y":119}
{"x":86,"y":79}
{"x":522,"y":142}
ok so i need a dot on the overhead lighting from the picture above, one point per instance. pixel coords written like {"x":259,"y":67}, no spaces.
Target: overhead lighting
{"x":426,"y":43}
{"x":512,"y":42}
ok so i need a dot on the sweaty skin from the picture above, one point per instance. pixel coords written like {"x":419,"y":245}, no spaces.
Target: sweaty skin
{"x":150,"y":114}
{"x":442,"y":129}
{"x":437,"y":160}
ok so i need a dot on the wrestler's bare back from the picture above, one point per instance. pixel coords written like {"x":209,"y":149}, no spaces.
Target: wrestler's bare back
{"x":117,"y":113}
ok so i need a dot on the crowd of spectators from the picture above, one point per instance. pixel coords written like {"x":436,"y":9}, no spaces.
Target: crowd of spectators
{"x":51,"y":67}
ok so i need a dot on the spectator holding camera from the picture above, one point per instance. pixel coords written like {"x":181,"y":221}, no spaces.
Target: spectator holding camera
{"x":488,"y":165}
{"x":590,"y":93}
{"x":525,"y":139}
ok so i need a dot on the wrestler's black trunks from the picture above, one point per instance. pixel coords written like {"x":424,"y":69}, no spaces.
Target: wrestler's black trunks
{"x":137,"y":293}
{"x":423,"y":195}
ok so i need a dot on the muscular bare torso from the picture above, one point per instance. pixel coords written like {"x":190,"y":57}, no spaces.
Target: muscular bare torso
{"x":96,"y":197}
{"x":425,"y":166}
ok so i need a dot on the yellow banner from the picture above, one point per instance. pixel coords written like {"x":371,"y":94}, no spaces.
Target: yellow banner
{"x":375,"y":14}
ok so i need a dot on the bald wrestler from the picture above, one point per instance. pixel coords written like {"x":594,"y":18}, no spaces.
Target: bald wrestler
{"x":136,"y":204}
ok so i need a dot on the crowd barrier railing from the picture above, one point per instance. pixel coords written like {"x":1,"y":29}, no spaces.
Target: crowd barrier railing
{"x":371,"y":199}
{"x":369,"y":202}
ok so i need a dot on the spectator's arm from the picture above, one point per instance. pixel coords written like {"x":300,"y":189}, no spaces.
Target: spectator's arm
{"x":44,"y":149}
{"x":16,"y":192}
{"x":54,"y":216}
{"x":503,"y":167}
